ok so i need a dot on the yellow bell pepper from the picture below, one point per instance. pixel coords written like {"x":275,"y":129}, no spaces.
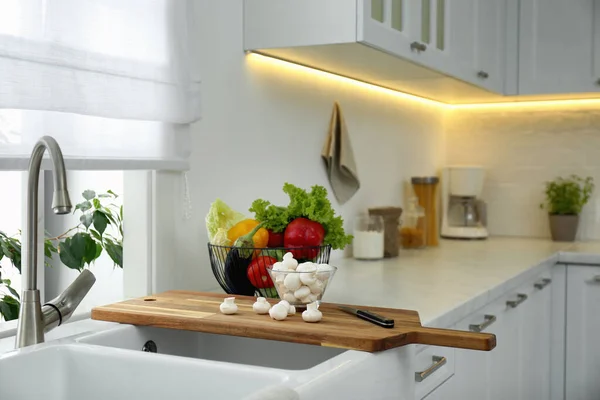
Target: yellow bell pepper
{"x":260,"y":238}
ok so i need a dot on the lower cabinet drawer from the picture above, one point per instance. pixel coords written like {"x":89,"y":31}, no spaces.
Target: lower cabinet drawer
{"x":433,"y":366}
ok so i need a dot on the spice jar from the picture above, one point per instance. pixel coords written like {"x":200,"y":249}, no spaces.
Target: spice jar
{"x":412,"y":233}
{"x":391,"y":220}
{"x":425,"y":188}
{"x":368,"y":237}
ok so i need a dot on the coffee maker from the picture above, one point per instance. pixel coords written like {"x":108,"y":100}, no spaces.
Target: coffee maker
{"x":463,"y":213}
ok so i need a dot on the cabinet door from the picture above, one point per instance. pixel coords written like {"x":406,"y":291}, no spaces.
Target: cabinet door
{"x":443,"y":392}
{"x":534,"y":340}
{"x":469,"y":40}
{"x":391,"y":25}
{"x":504,"y":359}
{"x":484,"y":375}
{"x":557,"y":46}
{"x":583,"y":328}
{"x":489,"y":66}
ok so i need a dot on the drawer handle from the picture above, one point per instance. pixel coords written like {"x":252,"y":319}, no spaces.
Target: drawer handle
{"x":595,"y":279}
{"x":417,"y":46}
{"x":542,"y":284}
{"x":488,"y":320}
{"x":515,"y":303}
{"x":438,"y":362}
{"x":483,"y":75}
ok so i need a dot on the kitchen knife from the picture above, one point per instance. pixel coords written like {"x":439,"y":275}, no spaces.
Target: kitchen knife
{"x":369,"y":316}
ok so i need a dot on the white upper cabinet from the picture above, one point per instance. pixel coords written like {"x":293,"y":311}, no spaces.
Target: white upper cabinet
{"x":583,"y":327}
{"x":447,"y":50}
{"x":559,"y":48}
{"x":461,"y":38}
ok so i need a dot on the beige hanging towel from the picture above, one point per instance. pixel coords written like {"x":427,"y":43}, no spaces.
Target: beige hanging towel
{"x":339,"y":158}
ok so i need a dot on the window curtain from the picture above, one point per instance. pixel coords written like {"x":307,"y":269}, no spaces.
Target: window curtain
{"x":114,"y":81}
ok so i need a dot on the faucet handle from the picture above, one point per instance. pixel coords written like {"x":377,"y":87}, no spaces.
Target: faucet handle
{"x":58,"y":310}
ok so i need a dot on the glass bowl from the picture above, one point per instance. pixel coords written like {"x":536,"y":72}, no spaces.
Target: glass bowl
{"x":300,"y":288}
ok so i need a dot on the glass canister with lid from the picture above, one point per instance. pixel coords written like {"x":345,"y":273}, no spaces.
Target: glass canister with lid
{"x":413,"y":234}
{"x":425,"y":188}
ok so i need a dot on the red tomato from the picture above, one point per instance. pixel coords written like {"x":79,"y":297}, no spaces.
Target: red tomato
{"x":257,"y":272}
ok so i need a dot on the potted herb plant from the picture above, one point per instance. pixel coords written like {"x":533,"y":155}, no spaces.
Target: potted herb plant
{"x":565,"y":198}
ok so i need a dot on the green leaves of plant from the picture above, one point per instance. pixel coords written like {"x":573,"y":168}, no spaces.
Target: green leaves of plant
{"x":115,"y":251}
{"x":11,"y":249}
{"x":100,"y":221}
{"x":9,"y":307}
{"x":86,"y":220}
{"x":567,"y":196}
{"x":88,"y":194}
{"x":78,"y":250}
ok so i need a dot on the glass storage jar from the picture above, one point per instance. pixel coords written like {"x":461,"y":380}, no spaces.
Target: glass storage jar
{"x":413,"y":233}
{"x":368,"y":243}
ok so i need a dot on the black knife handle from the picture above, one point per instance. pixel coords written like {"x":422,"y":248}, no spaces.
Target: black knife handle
{"x":375,"y":318}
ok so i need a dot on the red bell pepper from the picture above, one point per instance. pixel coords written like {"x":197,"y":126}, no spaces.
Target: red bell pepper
{"x":257,"y":272}
{"x":302,"y":233}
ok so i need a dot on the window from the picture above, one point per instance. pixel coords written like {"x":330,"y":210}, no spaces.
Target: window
{"x":117,"y":100}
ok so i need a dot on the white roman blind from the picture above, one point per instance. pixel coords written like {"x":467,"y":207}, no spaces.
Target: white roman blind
{"x":114,"y":81}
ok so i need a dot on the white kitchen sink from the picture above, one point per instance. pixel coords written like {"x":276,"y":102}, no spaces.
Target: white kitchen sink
{"x":110,"y":364}
{"x":206,"y":346}
{"x":76,"y":371}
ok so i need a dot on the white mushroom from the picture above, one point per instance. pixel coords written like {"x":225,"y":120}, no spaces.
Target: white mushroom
{"x":316,"y":287}
{"x":307,"y":267}
{"x":261,"y":306}
{"x":308,"y":278}
{"x":278,"y":312}
{"x":285,"y":303}
{"x":312,"y":313}
{"x":323,"y":272}
{"x":302,"y":292}
{"x":292,"y":310}
{"x":289,"y":262}
{"x":292,"y":281}
{"x":289,"y":297}
{"x":228,"y":306}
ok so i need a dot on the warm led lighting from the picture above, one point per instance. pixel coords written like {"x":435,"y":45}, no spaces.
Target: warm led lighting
{"x":260,"y":58}
{"x":578,"y":103}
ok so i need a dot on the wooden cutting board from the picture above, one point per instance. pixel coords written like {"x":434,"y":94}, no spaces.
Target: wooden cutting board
{"x":194,"y":311}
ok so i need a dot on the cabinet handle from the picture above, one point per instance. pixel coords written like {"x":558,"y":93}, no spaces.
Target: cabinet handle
{"x":483,"y":75}
{"x":515,"y":303}
{"x":417,"y":46}
{"x":595,"y":279}
{"x":542,"y":284}
{"x":438,"y":362}
{"x":488,"y":320}
{"x":598,"y":81}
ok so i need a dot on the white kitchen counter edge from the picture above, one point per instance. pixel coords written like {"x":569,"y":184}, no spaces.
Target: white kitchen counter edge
{"x":456,"y":314}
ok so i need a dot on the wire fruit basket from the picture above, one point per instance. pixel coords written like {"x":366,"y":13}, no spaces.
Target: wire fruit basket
{"x":243,"y":270}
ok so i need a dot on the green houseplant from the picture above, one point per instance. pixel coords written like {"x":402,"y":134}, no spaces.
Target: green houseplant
{"x":565,"y":198}
{"x":76,"y":248}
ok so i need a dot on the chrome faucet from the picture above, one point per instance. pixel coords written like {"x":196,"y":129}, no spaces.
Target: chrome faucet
{"x":34,"y":319}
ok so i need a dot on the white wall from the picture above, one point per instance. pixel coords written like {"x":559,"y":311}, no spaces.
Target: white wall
{"x":522,"y":148}
{"x":109,"y":279}
{"x":265,"y":124}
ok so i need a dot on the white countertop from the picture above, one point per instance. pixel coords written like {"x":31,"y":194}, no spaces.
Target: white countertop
{"x":447,"y":283}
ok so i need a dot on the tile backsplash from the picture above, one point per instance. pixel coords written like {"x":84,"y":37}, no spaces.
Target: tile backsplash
{"x":522,"y":149}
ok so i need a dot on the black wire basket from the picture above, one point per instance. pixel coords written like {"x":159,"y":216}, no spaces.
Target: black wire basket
{"x":242,"y":270}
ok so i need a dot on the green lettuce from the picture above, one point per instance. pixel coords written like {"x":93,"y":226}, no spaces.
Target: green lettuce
{"x":313,"y":205}
{"x":219,"y":219}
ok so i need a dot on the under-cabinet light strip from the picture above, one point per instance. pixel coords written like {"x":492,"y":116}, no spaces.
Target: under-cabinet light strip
{"x":261,"y":58}
{"x":340,"y":78}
